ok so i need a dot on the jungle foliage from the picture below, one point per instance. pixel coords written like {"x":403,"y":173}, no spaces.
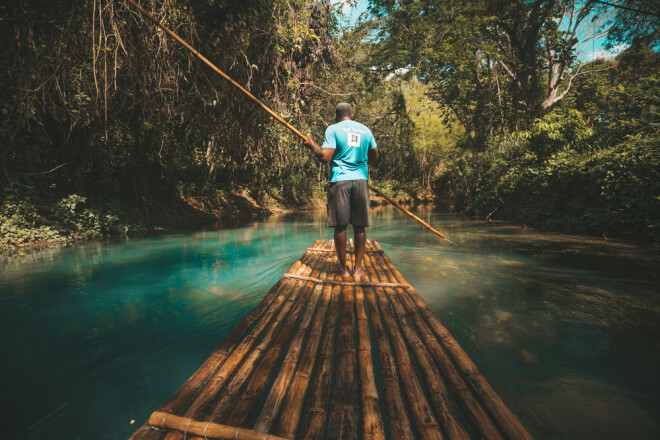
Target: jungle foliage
{"x":549,"y":139}
{"x":100,"y":106}
{"x":109,"y":126}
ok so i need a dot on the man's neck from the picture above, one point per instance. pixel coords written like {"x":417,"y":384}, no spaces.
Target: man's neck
{"x":345,"y":118}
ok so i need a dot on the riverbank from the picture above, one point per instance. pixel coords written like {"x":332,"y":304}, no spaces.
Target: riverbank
{"x":37,"y":223}
{"x":31,"y":220}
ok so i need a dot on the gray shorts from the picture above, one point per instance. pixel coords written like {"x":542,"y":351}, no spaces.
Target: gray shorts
{"x":348,"y":203}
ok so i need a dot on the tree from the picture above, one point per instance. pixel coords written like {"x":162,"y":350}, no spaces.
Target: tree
{"x":632,"y":20}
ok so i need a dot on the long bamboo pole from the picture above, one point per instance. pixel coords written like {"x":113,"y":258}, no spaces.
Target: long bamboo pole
{"x":267,"y":109}
{"x":405,"y":211}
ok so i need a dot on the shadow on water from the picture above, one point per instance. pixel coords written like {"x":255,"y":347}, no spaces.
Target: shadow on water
{"x":566,"y":328}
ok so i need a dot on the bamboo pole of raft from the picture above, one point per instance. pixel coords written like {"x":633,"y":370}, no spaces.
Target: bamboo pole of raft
{"x":207,"y":430}
{"x":315,"y":416}
{"x":284,"y":382}
{"x":291,"y":409}
{"x":263,"y":357}
{"x":187,"y":390}
{"x":468,"y":402}
{"x":342,"y":419}
{"x":243,"y":350}
{"x":404,"y":356}
{"x":287,"y":290}
{"x":260,"y":361}
{"x":439,"y":396}
{"x":422,"y":414}
{"x":260,"y":316}
{"x":183,"y":404}
{"x":505,"y":420}
{"x":372,"y":420}
{"x":255,"y":388}
{"x":267,"y":109}
{"x":399,"y":422}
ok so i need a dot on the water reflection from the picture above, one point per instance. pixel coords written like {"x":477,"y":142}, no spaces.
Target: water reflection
{"x":565,"y":327}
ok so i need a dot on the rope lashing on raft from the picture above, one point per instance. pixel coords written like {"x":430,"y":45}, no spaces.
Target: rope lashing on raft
{"x":205,"y":428}
{"x":271,"y":112}
{"x":344,"y":283}
{"x":185,"y":432}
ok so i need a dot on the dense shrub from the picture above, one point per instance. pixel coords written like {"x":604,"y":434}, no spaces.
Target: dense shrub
{"x":590,"y":165}
{"x":26,"y":219}
{"x":552,"y":177}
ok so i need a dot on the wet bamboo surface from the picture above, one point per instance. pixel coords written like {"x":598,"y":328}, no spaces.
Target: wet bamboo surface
{"x":323,"y":357}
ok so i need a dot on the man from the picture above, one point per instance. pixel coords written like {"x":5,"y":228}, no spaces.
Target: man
{"x":348,"y":146}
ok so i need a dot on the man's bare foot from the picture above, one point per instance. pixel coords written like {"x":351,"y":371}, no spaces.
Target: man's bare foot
{"x":344,"y":272}
{"x":359,"y":273}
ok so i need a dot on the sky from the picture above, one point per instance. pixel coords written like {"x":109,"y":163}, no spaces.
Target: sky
{"x":351,"y":9}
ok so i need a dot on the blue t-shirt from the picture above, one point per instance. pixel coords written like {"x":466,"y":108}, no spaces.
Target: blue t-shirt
{"x":352,"y":141}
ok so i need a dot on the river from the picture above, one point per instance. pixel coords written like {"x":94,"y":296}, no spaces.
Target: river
{"x":566,"y":328}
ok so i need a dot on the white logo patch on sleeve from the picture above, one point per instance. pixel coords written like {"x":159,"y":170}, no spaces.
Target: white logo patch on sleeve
{"x":353,"y":140}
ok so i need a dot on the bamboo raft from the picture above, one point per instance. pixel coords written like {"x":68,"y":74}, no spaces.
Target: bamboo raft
{"x":324,"y":357}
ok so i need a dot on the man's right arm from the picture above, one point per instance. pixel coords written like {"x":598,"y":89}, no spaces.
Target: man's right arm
{"x":372,"y":155}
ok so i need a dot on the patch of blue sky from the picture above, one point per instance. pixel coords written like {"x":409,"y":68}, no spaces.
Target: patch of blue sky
{"x":592,"y":36}
{"x":589,"y":50}
{"x":351,"y":10}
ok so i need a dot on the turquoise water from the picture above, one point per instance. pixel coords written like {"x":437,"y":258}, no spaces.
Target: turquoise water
{"x":566,"y":328}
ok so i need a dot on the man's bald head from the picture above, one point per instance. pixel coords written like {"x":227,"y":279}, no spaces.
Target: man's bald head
{"x":343,"y":111}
